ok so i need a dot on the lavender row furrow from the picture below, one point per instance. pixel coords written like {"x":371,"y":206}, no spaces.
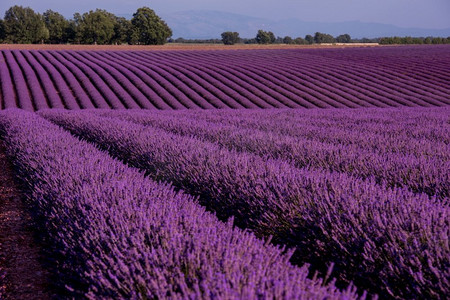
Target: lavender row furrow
{"x":375,"y":235}
{"x":305,"y":90}
{"x":80,"y":96}
{"x":122,"y":235}
{"x":185,"y":88}
{"x":37,"y":94}
{"x":420,"y":175}
{"x":195,"y":91}
{"x":8,"y":91}
{"x":256,"y":97}
{"x":169,"y":101}
{"x":85,"y":77}
{"x":49,"y":88}
{"x":308,"y":66}
{"x":61,"y":83}
{"x":21,"y":88}
{"x":151,"y":99}
{"x":260,"y":90}
{"x":331,"y":93}
{"x":223,"y":92}
{"x":377,"y":65}
{"x":169,"y":89}
{"x":403,"y":84}
{"x":108,"y":80}
{"x":327,"y":75}
{"x":335,"y":127}
{"x":127,"y":84}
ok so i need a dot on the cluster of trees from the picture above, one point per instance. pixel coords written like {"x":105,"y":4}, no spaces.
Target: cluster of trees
{"x":414,"y":40}
{"x":268,"y":37}
{"x":23,"y":25}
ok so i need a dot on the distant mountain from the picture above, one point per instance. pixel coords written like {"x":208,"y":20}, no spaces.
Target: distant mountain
{"x":210,"y":24}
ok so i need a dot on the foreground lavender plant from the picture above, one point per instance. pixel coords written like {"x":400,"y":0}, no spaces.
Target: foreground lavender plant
{"x":420,"y":173}
{"x":116,"y":234}
{"x":391,"y":241}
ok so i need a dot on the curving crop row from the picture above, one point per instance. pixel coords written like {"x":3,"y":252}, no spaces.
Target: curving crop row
{"x":116,"y":234}
{"x":252,"y":75}
{"x":91,"y":84}
{"x":225,"y":79}
{"x":21,"y":88}
{"x":60,"y":82}
{"x":221,"y":86}
{"x":307,"y":65}
{"x":81,"y":98}
{"x":419,"y":174}
{"x":148,"y":96}
{"x":8,"y":92}
{"x":110,"y":80}
{"x":410,"y":131}
{"x":195,"y":91}
{"x":53,"y":97}
{"x":36,"y":92}
{"x":384,"y":74}
{"x":391,"y":242}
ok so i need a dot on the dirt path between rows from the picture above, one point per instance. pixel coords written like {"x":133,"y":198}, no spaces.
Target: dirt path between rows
{"x":20,"y":254}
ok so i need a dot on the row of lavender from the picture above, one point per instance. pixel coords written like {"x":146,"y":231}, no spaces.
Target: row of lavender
{"x":422,"y":167}
{"x":324,"y":78}
{"x":117,"y":234}
{"x":392,"y":241}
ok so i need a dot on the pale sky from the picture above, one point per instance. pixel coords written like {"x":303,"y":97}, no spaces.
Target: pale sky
{"x":404,"y":13}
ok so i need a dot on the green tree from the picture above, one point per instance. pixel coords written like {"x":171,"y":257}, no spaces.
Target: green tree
{"x":123,"y":31}
{"x":309,"y":39}
{"x":149,"y":28}
{"x":428,"y":40}
{"x":72,"y":33}
{"x":57,"y":27}
{"x":438,"y":40}
{"x":95,"y":27}
{"x":2,"y":31}
{"x":288,"y":40}
{"x":300,"y":41}
{"x":343,"y":38}
{"x":265,"y":37}
{"x":320,"y":38}
{"x":230,"y":38}
{"x":23,"y":25}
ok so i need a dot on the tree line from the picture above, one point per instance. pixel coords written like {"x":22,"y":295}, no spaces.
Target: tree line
{"x":268,"y":37}
{"x":414,"y":40}
{"x":23,"y":25}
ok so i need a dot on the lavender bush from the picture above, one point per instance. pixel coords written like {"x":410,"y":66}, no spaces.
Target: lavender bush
{"x":117,"y":234}
{"x":390,"y":241}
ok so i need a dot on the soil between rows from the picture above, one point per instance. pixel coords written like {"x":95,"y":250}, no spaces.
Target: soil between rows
{"x":21,"y":256}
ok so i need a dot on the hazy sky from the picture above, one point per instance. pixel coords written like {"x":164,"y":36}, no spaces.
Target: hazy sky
{"x":404,"y":13}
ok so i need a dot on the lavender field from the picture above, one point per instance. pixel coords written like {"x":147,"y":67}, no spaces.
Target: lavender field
{"x":306,"y":78}
{"x":137,"y":197}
